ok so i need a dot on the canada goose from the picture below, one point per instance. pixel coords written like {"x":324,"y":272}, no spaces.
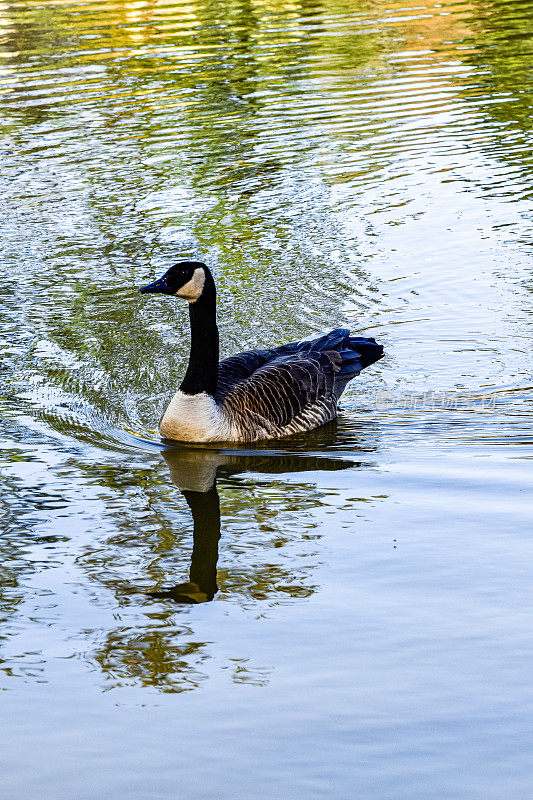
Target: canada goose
{"x":260,"y":394}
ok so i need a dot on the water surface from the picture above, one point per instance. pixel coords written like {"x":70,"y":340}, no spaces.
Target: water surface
{"x":347,"y":613}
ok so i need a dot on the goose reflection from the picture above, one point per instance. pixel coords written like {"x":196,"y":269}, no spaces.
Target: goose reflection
{"x":195,"y":472}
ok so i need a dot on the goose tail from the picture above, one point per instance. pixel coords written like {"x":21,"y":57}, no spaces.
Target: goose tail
{"x":368,"y":350}
{"x":356,"y":353}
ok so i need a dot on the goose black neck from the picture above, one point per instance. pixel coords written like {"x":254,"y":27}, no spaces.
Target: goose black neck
{"x":202,"y":372}
{"x":205,"y":507}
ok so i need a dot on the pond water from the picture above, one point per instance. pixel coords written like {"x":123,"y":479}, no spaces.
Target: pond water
{"x":344,"y":614}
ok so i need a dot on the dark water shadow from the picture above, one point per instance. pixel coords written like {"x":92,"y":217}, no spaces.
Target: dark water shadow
{"x":195,"y":473}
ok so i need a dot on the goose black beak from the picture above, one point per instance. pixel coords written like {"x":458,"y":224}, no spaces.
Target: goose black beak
{"x":157,"y":287}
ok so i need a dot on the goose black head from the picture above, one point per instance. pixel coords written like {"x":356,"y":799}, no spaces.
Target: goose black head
{"x":186,"y":279}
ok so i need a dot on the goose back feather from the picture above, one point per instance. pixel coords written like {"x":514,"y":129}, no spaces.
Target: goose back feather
{"x":293,"y":388}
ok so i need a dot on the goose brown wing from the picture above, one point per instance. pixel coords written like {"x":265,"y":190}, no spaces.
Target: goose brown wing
{"x":350,"y":355}
{"x":242,"y":366}
{"x":280,"y":390}
{"x":235,"y":369}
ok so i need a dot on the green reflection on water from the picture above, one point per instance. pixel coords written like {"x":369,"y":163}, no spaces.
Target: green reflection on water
{"x":278,"y":141}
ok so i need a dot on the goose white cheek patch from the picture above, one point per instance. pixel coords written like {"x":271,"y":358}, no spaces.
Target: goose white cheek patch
{"x":192,"y":290}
